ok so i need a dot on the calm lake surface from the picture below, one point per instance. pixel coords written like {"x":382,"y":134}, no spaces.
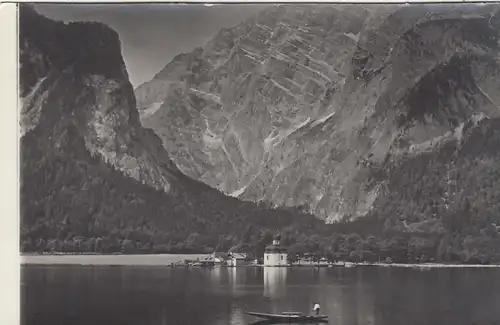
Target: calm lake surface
{"x":156,"y":295}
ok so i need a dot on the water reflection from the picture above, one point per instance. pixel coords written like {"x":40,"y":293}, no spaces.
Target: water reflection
{"x":365,"y":299}
{"x":275,"y":281}
{"x":237,"y":316}
{"x":83,"y":295}
{"x":164,"y":319}
{"x":215,"y":276}
{"x":237,"y":276}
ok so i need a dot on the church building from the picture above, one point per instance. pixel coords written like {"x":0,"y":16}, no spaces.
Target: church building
{"x":275,"y":254}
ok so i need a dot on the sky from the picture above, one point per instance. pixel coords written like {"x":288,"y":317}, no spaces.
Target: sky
{"x":152,"y":34}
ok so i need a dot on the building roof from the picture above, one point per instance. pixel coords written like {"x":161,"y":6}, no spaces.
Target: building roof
{"x":220,"y":255}
{"x":238,"y":256}
{"x":276,"y":249}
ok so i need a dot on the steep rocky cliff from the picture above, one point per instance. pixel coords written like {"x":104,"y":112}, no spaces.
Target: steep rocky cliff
{"x":322,"y":106}
{"x":76,"y":88}
{"x":90,"y":170}
{"x":223,"y":108}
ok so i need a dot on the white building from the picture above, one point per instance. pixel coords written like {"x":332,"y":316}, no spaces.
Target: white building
{"x":219,"y":258}
{"x":239,"y":259}
{"x":275,"y":254}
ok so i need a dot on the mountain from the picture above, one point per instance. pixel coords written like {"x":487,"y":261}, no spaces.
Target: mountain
{"x":92,"y":178}
{"x":223,"y":108}
{"x":349,"y":110}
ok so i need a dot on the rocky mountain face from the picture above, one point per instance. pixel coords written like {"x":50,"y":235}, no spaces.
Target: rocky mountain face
{"x":89,"y":168}
{"x":337,"y":107}
{"x":70,"y":87}
{"x":222,"y":109}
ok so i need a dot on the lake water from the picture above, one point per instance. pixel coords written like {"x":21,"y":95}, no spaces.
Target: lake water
{"x":156,"y":295}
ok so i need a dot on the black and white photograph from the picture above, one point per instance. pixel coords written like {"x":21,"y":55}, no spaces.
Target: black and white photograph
{"x":259,"y":163}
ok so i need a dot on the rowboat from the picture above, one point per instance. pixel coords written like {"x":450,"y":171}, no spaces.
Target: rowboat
{"x":290,"y":317}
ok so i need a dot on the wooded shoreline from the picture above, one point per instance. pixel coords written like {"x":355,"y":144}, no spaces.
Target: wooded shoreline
{"x":168,"y":259}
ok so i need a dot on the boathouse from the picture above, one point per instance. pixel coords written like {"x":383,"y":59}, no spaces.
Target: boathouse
{"x":239,"y":259}
{"x":219,"y":258}
{"x":276,"y":254}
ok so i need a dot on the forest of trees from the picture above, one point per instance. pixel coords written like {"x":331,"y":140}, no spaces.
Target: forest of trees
{"x":398,"y":248}
{"x":73,"y":202}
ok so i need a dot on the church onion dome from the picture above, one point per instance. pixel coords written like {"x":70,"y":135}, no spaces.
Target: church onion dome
{"x":275,"y":247}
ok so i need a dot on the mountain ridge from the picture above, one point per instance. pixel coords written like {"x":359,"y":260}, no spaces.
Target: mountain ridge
{"x":235,"y":124}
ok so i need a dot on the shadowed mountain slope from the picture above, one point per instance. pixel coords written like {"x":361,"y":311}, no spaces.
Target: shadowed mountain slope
{"x":92,"y":178}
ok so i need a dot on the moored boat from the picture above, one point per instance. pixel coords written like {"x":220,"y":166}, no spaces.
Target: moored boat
{"x":290,"y":317}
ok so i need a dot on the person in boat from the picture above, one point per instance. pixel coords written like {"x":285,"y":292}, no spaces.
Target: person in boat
{"x":316,"y":308}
